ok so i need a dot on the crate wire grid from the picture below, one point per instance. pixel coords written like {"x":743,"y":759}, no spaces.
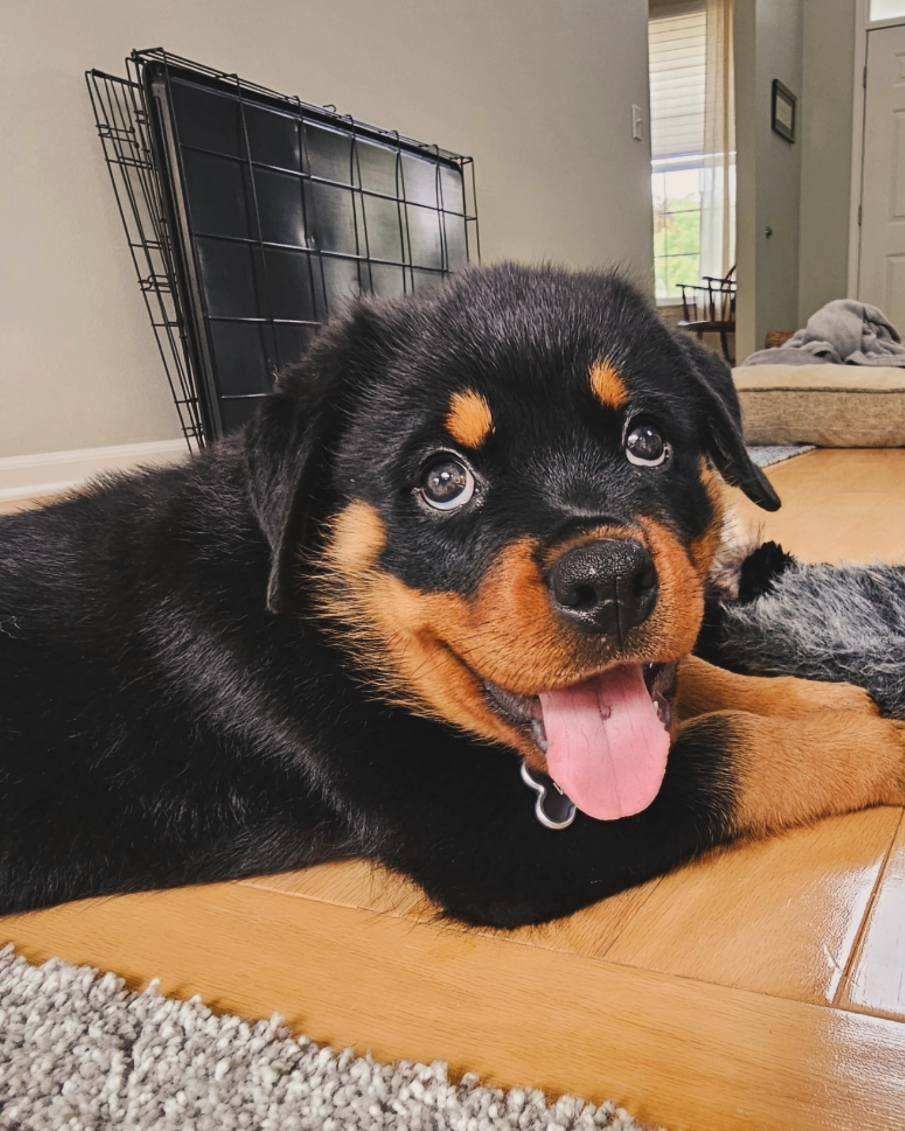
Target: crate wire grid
{"x":147,"y":159}
{"x":122,"y":127}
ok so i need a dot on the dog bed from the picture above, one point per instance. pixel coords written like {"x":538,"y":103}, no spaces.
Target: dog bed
{"x":833,"y":406}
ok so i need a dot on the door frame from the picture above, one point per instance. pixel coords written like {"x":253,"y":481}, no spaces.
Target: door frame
{"x":863,"y":26}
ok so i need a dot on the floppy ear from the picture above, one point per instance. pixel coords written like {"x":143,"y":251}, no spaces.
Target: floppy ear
{"x":284,"y":446}
{"x":722,"y":414}
{"x":290,"y":441}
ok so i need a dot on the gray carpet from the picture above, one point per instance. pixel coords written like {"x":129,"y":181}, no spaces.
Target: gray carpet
{"x":79,"y":1051}
{"x":767,"y":454}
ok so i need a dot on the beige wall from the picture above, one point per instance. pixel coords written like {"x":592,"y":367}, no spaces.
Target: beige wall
{"x":768,"y":45}
{"x":826,"y":152}
{"x":745,"y":179}
{"x":801,"y":191}
{"x":539,"y":92}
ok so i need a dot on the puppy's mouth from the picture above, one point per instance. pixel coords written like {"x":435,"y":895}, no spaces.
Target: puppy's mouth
{"x":605,"y":739}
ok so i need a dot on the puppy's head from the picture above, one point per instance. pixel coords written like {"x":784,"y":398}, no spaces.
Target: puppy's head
{"x":501,"y":497}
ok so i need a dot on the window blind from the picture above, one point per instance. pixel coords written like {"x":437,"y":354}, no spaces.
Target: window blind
{"x":677,"y":37}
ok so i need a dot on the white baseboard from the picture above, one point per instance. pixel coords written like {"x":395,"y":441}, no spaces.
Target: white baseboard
{"x":48,"y":473}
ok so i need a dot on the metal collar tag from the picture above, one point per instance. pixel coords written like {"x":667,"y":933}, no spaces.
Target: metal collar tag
{"x":552,"y":807}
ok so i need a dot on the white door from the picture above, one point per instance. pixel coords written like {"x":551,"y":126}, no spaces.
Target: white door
{"x":882,"y":261}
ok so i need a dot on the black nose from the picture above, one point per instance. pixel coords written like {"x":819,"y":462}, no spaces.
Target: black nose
{"x":604,"y":587}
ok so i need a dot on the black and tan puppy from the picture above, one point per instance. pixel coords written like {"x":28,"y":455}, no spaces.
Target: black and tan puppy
{"x":462,"y":548}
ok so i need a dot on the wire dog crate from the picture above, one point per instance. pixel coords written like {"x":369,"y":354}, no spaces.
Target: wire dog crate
{"x":251,"y":216}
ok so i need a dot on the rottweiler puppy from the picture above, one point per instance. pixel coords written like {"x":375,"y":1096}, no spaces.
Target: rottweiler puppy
{"x":434,"y":606}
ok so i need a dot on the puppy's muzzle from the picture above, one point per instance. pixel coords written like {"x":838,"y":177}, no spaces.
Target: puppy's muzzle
{"x":604,"y":587}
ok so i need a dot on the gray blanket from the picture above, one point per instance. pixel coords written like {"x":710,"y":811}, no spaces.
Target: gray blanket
{"x":844,"y":332}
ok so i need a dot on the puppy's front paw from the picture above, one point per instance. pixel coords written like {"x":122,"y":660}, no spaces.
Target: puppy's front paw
{"x":803,"y":696}
{"x":897,"y":788}
{"x":846,"y":697}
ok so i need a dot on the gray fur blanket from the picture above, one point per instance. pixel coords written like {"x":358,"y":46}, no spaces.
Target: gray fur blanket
{"x":844,"y":332}
{"x":833,"y":623}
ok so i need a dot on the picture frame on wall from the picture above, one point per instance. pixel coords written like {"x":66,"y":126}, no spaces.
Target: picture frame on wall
{"x":783,"y":111}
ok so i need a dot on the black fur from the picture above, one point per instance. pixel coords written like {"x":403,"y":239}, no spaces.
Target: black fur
{"x":173,"y":710}
{"x":761,"y":570}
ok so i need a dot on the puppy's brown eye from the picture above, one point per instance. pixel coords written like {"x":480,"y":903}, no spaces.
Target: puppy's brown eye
{"x":645,"y":446}
{"x":447,"y":483}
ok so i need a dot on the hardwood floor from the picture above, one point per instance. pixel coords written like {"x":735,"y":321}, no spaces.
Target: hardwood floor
{"x":763,"y":987}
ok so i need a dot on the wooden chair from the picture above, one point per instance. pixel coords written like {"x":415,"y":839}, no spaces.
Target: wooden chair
{"x":709,"y":308}
{"x":773,"y":339}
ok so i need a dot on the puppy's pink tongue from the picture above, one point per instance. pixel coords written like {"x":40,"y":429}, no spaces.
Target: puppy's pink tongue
{"x":606,"y":746}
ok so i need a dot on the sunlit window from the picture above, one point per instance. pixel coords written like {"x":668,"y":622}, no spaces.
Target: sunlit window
{"x":687,"y":181}
{"x":886,"y":9}
{"x":677,"y":228}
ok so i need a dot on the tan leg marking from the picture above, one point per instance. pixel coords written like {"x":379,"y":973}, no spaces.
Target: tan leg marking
{"x":704,"y":688}
{"x":790,"y":771}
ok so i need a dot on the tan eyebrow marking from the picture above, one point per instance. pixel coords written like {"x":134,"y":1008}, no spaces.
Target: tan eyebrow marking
{"x":608,"y":386}
{"x":469,"y":419}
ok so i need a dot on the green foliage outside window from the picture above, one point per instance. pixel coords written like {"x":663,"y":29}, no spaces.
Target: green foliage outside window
{"x":677,"y":231}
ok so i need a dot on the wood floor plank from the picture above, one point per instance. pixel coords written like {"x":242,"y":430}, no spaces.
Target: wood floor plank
{"x":14,"y":506}
{"x":779,"y":916}
{"x":352,"y":883}
{"x":359,"y":883}
{"x":839,"y":504}
{"x":674,"y":1051}
{"x":876,"y":981}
